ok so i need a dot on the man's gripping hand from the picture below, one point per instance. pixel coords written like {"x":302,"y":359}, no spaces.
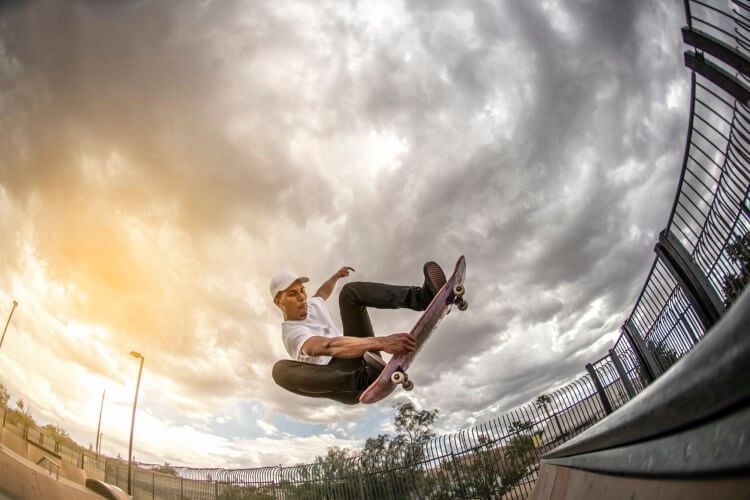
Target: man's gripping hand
{"x":399,"y":343}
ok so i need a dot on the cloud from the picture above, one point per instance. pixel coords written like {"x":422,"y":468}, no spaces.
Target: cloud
{"x":162,"y":159}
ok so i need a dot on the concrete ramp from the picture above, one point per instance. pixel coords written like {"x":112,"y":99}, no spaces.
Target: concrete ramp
{"x":685,"y":436}
{"x":22,"y":479}
{"x":566,"y":483}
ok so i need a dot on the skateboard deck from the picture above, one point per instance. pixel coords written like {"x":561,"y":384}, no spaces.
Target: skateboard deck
{"x":394,"y":372}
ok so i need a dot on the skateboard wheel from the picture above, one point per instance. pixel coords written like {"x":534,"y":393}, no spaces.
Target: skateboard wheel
{"x":408,"y":385}
{"x":459,"y":290}
{"x":398,"y":378}
{"x":462,"y":305}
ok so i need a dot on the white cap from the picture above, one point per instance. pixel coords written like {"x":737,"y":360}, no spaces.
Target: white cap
{"x":283,"y":280}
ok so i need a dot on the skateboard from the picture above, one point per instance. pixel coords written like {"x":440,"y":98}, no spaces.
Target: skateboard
{"x":394,"y":373}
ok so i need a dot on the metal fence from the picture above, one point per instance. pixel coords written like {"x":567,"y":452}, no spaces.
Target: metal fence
{"x":53,"y":446}
{"x":711,"y":208}
{"x":498,"y":458}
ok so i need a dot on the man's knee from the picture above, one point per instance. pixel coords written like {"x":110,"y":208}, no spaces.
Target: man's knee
{"x":346,"y":296}
{"x":280,"y":373}
{"x":349,"y":293}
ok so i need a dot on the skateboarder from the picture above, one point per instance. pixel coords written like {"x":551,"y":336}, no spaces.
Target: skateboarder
{"x":327,"y":363}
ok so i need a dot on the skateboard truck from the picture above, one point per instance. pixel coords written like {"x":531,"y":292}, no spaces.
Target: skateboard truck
{"x":458,"y":293}
{"x":400,"y":377}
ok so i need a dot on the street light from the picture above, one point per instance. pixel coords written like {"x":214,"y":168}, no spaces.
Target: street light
{"x":99,"y":426}
{"x":132,"y":422}
{"x":8,"y":322}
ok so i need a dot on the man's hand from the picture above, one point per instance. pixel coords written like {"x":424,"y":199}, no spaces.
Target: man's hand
{"x":326,"y":289}
{"x":399,"y":343}
{"x":343,"y":272}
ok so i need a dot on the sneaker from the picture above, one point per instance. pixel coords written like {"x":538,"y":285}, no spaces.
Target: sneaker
{"x":374,"y":364}
{"x":434,"y":279}
{"x":374,"y":360}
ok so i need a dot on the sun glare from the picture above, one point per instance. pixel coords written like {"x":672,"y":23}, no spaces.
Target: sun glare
{"x":383,"y":152}
{"x":81,"y":332}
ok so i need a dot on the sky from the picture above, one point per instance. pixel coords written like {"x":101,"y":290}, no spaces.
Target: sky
{"x":161,"y":160}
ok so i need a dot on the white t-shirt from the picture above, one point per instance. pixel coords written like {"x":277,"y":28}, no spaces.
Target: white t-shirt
{"x":318,"y":323}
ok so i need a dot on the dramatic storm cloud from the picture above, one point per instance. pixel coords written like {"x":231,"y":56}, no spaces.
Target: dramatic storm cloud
{"x":159,"y":161}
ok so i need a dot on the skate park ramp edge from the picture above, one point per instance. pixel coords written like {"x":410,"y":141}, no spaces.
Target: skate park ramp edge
{"x":686,"y":435}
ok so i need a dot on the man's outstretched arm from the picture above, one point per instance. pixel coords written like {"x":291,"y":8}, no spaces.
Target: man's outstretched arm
{"x":326,"y":289}
{"x":356,"y":347}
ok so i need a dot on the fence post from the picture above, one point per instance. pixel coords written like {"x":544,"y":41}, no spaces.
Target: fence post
{"x":598,"y":385}
{"x":691,"y":279}
{"x":623,"y":374}
{"x":653,"y":369}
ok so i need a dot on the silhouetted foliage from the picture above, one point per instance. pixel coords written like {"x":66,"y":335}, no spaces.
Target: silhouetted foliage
{"x":739,"y":251}
{"x":664,"y":353}
{"x":165,"y":469}
{"x":4,"y":396}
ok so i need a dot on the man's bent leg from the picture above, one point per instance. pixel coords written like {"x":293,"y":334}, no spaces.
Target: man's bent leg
{"x":356,"y":297}
{"x":341,"y":380}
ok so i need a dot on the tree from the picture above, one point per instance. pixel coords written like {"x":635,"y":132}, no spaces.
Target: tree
{"x":166,"y":469}
{"x":57,"y":432}
{"x":387,"y":467}
{"x":739,"y":252}
{"x":480,"y":474}
{"x":664,"y":353}
{"x":60,"y":436}
{"x":489,"y":470}
{"x":333,"y":476}
{"x":4,"y":396}
{"x":394,"y":459}
{"x":414,"y":430}
{"x":24,"y":415}
{"x":519,"y":454}
{"x":544,"y":401}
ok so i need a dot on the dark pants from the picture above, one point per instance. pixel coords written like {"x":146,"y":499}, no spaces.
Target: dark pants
{"x":343,"y":380}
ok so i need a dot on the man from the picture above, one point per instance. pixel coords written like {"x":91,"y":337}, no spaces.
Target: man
{"x":327,"y":363}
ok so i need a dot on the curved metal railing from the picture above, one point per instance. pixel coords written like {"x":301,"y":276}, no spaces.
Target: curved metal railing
{"x":711,"y":209}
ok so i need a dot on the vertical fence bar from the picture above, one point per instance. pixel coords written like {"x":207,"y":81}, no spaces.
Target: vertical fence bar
{"x":599,"y":388}
{"x":622,"y":373}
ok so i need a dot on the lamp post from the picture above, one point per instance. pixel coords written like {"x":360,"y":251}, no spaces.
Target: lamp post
{"x":99,"y":426}
{"x":132,"y":423}
{"x":8,"y":322}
